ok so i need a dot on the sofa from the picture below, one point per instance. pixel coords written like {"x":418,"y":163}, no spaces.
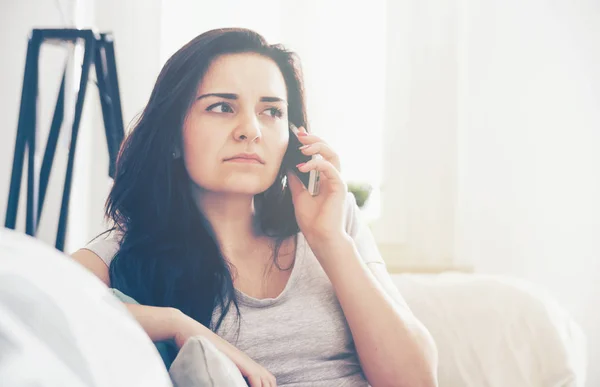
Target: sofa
{"x":495,"y":331}
{"x":60,"y":326}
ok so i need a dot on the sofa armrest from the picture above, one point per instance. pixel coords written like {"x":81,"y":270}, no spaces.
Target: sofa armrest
{"x":496,"y":331}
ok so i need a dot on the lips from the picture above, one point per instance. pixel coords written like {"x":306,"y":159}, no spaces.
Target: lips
{"x":246,"y":158}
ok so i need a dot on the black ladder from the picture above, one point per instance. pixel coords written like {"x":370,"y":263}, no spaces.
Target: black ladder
{"x":98,"y":50}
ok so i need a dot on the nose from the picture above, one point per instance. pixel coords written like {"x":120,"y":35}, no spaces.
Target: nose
{"x":248,"y":129}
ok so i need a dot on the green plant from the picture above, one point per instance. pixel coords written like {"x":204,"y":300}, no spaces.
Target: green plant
{"x":361,"y":192}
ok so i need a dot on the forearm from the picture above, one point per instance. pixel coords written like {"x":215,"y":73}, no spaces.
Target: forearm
{"x":394,"y":348}
{"x":161,"y":323}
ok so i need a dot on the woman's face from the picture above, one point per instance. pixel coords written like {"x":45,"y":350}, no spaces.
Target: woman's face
{"x":236,"y":133}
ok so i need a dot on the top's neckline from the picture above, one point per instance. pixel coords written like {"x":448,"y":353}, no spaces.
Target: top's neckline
{"x":244,"y":299}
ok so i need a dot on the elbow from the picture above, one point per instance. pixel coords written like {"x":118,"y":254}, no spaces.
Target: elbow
{"x":423,"y":377}
{"x":425,"y":365}
{"x":419,"y":376}
{"x":419,"y":364}
{"x":420,"y":373}
{"x":423,"y":370}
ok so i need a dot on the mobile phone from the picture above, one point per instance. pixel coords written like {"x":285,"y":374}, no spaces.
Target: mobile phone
{"x":295,"y":156}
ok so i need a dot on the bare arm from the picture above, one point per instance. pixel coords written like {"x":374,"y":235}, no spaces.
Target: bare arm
{"x":162,"y":323}
{"x":394,"y":348}
{"x":158,"y":323}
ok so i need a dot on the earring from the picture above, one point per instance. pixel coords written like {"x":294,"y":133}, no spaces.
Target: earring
{"x":176,"y":154}
{"x":284,"y":182}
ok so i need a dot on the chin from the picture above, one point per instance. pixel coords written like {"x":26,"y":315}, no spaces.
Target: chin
{"x":246,"y":187}
{"x":237,"y":183}
{"x":250,"y":191}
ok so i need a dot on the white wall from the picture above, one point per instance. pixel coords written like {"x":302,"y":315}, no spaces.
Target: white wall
{"x":182,"y":20}
{"x":530,"y":166}
{"x":420,"y":139}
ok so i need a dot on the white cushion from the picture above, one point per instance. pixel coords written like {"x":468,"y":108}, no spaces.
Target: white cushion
{"x":496,"y":332}
{"x":60,"y":325}
{"x":200,"y":364}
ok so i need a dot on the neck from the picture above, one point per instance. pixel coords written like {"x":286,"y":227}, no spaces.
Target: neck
{"x":231,"y":216}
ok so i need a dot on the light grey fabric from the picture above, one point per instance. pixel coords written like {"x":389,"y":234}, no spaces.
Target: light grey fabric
{"x":200,"y":364}
{"x":301,"y":336}
{"x":105,"y":246}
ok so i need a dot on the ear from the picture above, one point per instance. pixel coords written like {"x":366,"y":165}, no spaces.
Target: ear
{"x":176,"y":154}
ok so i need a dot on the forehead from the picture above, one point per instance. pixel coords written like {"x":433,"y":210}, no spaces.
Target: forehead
{"x":246,"y":74}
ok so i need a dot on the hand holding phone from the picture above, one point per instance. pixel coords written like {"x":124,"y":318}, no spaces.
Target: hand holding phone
{"x":295,"y":157}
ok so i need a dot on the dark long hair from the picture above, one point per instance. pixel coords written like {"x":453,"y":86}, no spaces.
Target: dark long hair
{"x":168,"y":254}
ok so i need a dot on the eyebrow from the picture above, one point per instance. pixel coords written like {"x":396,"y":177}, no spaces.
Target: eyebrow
{"x":235,"y":96}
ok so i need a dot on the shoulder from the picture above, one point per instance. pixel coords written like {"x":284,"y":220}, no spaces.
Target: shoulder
{"x":105,"y":246}
{"x":360,"y":231}
{"x":352,"y":214}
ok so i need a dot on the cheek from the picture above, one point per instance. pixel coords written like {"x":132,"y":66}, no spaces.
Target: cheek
{"x":199,"y":153}
{"x":277,"y":155}
{"x":279,"y":146}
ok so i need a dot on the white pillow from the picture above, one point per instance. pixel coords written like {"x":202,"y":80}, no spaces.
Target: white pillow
{"x":61,"y":326}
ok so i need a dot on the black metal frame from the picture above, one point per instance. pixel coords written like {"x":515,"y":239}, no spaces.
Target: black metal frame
{"x":98,"y":50}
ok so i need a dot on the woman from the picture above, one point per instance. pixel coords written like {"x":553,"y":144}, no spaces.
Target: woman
{"x":216,"y":235}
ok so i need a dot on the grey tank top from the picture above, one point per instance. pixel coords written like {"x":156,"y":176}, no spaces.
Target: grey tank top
{"x":301,"y":336}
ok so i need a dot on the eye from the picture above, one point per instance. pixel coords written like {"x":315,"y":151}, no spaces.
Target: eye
{"x":221,"y":107}
{"x":274,"y":112}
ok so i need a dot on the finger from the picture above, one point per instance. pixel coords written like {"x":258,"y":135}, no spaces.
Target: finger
{"x":267,"y":382}
{"x":324,"y":150}
{"x":307,"y":138}
{"x":325,"y":167}
{"x":254,"y":381}
{"x":301,"y":131}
